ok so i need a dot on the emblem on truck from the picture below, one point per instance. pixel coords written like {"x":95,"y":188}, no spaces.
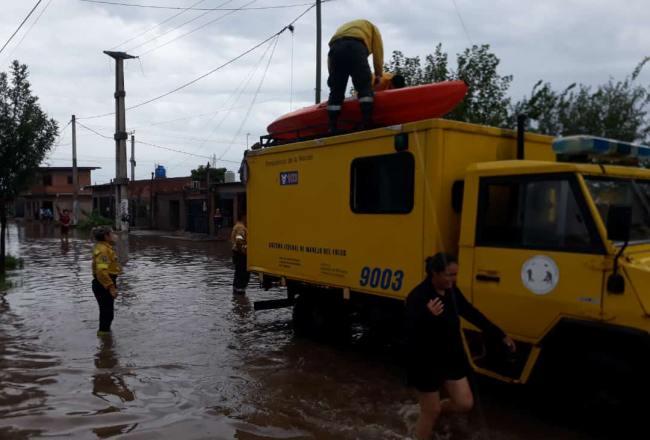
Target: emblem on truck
{"x":540,"y":274}
{"x":289,"y":178}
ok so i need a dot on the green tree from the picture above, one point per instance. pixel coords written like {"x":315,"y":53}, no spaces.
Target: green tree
{"x":217,"y":175}
{"x":616,"y":109}
{"x":486,"y":101}
{"x":26,"y":135}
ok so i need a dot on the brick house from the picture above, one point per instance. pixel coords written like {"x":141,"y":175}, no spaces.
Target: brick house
{"x":173,"y":203}
{"x":53,"y":188}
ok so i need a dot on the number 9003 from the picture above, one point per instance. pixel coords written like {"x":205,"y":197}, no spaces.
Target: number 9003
{"x":382,"y":278}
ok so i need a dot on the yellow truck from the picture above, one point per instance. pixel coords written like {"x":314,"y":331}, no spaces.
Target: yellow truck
{"x":553,"y":238}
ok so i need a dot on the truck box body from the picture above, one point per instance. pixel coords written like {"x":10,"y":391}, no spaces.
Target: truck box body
{"x":352,"y":212}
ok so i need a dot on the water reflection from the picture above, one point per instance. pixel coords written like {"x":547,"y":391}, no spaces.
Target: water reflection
{"x":109,"y":380}
{"x":187,"y":358}
{"x":109,"y":376}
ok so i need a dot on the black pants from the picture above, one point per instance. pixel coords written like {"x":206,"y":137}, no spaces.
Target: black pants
{"x":348,"y":57}
{"x":105,"y":301}
{"x":242,"y":276}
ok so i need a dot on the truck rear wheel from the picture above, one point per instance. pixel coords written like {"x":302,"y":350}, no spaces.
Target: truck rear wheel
{"x":321,"y":315}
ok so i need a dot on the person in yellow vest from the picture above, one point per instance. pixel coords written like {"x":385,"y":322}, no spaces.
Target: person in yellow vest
{"x":239,"y":240}
{"x":106,"y":268}
{"x":350,"y":47}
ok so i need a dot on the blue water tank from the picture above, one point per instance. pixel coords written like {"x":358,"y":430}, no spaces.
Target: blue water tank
{"x":161,"y":173}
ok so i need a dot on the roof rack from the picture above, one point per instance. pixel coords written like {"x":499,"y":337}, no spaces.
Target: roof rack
{"x":270,"y":140}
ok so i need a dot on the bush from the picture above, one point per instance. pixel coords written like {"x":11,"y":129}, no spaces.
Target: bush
{"x":12,"y":262}
{"x":93,"y":220}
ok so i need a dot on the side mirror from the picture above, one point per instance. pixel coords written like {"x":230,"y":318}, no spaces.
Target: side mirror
{"x":619,"y":221}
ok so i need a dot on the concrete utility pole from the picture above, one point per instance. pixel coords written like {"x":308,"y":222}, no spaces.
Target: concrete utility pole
{"x":209,"y":201}
{"x":318,"y":50}
{"x":75,"y":174}
{"x":121,"y":179}
{"x":132,"y":156}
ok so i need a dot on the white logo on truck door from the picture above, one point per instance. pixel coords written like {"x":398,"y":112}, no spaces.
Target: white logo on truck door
{"x":540,"y":274}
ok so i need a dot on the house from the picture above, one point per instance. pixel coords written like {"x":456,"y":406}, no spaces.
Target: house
{"x":174,"y":203}
{"x":53,"y":188}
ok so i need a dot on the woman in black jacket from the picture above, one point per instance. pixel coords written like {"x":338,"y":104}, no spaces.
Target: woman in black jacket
{"x":437,"y":357}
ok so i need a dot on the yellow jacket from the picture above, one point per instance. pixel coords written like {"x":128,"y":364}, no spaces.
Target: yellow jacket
{"x":105,"y":264}
{"x":238,"y":237}
{"x":369,"y":34}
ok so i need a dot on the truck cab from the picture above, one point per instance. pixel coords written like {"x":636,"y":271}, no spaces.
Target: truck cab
{"x":537,"y":258}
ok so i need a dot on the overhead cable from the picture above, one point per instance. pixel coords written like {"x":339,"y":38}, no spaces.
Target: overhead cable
{"x":191,"y":8}
{"x":462,"y":22}
{"x":130,"y":49}
{"x":96,"y":132}
{"x":31,"y":26}
{"x":157,"y":25}
{"x":181,"y":151}
{"x":232,"y":60}
{"x":250,"y":108}
{"x":195,"y":29}
{"x":21,"y":25}
{"x":239,"y":91}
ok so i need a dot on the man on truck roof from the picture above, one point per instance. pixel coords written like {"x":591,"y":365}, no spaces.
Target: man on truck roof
{"x":348,"y":56}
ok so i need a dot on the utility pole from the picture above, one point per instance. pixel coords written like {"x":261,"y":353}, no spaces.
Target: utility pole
{"x":209,"y":201}
{"x":121,"y":179}
{"x":318,"y":50}
{"x":132,"y":156}
{"x":75,"y":174}
{"x":151,"y":203}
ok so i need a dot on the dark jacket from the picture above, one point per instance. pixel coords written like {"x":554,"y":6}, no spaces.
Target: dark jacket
{"x":439,"y":337}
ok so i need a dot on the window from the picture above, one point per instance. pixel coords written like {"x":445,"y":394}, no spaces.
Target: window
{"x":47,"y":180}
{"x":69,"y":180}
{"x":535,"y":213}
{"x":382,"y":184}
{"x":610,"y":191}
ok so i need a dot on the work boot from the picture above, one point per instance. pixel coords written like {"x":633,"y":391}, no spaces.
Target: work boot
{"x":366,"y":115}
{"x":333,"y":119}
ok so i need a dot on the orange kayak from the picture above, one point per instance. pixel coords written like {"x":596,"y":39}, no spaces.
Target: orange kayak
{"x":392,"y":107}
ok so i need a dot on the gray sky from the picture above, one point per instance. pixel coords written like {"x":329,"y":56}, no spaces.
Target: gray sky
{"x":561,"y":41}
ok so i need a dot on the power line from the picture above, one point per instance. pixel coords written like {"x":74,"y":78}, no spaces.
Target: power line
{"x":198,"y":9}
{"x":157,"y":25}
{"x":197,"y":28}
{"x":250,"y":108}
{"x":239,"y":91}
{"x":38,"y":17}
{"x":210,"y":72}
{"x":462,"y":23}
{"x":181,"y":151}
{"x":21,"y":24}
{"x":96,"y":132}
{"x":152,"y":145}
{"x":174,"y":28}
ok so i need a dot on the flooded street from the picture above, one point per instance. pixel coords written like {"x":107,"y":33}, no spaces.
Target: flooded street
{"x":188,"y":360}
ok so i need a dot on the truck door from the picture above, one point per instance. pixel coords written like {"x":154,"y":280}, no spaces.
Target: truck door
{"x":537,"y":257}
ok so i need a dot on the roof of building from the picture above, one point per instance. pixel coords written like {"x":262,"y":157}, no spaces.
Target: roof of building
{"x":67,"y":168}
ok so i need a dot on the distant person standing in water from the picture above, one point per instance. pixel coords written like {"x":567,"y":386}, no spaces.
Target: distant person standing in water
{"x":106,"y":268}
{"x":239,"y":240}
{"x":65,"y":220}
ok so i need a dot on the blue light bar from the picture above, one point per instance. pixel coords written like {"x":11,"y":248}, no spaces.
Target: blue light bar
{"x":597,"y":146}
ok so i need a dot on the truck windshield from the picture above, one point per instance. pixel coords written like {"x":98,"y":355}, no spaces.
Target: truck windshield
{"x":607,"y":192}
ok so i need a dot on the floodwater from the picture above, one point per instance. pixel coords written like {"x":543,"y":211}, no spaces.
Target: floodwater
{"x":187,"y":360}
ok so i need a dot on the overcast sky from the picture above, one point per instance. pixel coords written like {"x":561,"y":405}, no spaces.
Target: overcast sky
{"x":561,"y":41}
